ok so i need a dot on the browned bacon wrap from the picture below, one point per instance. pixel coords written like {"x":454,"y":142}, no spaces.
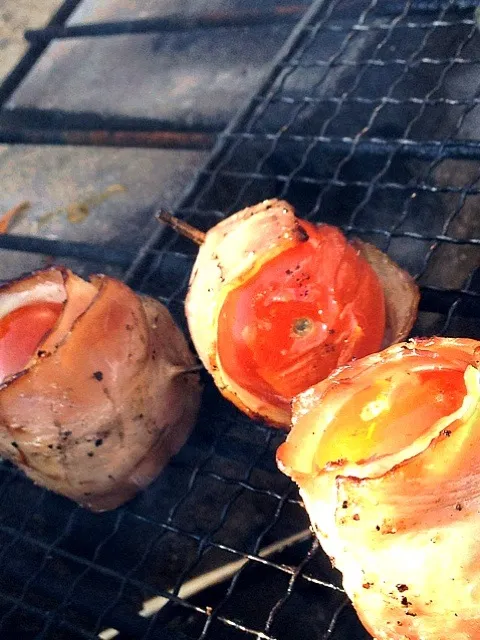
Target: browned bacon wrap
{"x":106,"y":399}
{"x":386,"y":453}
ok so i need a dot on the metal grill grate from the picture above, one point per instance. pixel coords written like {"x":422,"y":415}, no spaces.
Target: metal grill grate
{"x":371,"y":124}
{"x":370,"y":120}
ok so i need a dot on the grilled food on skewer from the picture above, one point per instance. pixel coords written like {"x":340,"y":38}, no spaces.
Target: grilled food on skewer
{"x":276,"y":303}
{"x":386,"y":453}
{"x":97,"y":389}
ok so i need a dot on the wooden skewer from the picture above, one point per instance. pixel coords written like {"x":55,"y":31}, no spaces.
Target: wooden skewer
{"x":209,"y":579}
{"x":108,"y":634}
{"x":181,"y":227}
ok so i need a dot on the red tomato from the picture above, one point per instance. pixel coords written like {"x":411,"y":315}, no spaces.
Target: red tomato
{"x":21,"y":331}
{"x":310,"y":309}
{"x":391,"y":412}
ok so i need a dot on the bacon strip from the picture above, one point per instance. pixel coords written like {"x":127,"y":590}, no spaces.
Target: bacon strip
{"x":106,"y":400}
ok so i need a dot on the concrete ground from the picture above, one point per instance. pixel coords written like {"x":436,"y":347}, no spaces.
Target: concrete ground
{"x":15,"y":17}
{"x":53,"y":179}
{"x":190,"y":78}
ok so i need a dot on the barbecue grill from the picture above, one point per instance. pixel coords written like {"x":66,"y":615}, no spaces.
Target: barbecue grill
{"x":369,"y":119}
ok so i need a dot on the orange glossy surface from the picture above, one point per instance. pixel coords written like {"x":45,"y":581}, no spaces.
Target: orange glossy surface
{"x":308,"y":310}
{"x":390,"y":414}
{"x":21,"y":331}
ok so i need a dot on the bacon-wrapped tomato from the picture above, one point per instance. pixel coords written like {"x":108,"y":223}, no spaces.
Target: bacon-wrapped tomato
{"x":96,"y":385}
{"x":386,"y":453}
{"x":276,"y":303}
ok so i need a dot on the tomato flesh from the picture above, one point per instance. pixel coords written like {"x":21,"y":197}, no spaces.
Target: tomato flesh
{"x":391,"y":414}
{"x":21,"y":331}
{"x":305,"y":312}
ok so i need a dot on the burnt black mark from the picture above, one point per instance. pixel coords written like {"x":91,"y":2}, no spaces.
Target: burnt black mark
{"x":116,"y":425}
{"x":98,"y":442}
{"x":345,"y":504}
{"x":405,"y":602}
{"x":98,"y":375}
{"x":41,"y":353}
{"x":14,"y":444}
{"x":301,"y":233}
{"x":90,"y":454}
{"x":458,"y":507}
{"x":476,"y":356}
{"x":402,"y":587}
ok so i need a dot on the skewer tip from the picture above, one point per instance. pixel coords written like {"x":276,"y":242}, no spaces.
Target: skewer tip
{"x":181,"y":227}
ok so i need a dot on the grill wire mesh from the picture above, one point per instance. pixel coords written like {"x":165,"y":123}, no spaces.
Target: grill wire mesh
{"x":370,"y":120}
